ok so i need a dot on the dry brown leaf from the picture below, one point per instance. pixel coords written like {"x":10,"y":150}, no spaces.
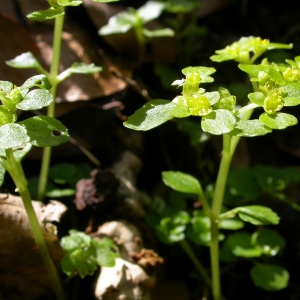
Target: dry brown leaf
{"x":22,"y":274}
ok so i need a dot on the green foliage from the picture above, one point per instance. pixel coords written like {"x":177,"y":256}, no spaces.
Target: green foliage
{"x":136,"y":19}
{"x":276,"y":86}
{"x":240,"y":50}
{"x":83,"y":255}
{"x":172,"y":225}
{"x":39,"y":131}
{"x":182,"y":182}
{"x":270,"y":277}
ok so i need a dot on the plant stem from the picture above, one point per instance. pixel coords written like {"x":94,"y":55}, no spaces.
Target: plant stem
{"x":58,"y":28}
{"x":215,"y":212}
{"x":190,"y":253}
{"x":16,"y":171}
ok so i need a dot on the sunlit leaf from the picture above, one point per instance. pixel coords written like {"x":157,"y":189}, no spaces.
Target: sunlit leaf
{"x":278,"y":120}
{"x":35,"y":99}
{"x":182,"y":182}
{"x":155,"y":113}
{"x":258,"y":215}
{"x":48,"y":14}
{"x":12,"y":135}
{"x":44,"y":131}
{"x":24,"y":61}
{"x":250,"y":128}
{"x":218,"y":122}
{"x":150,"y":11}
{"x":6,"y":86}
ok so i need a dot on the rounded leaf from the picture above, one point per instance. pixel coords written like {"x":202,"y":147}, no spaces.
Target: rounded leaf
{"x":240,"y":245}
{"x":155,"y":113}
{"x":6,"y":86}
{"x":270,"y":277}
{"x":182,"y":182}
{"x":24,"y":61}
{"x":250,"y":128}
{"x":35,"y":99}
{"x":278,"y":120}
{"x":257,"y":215}
{"x":12,"y":135}
{"x":218,"y":122}
{"x":44,"y":131}
{"x":257,"y":98}
{"x":270,"y":241}
{"x":231,"y":224}
{"x":48,"y":14}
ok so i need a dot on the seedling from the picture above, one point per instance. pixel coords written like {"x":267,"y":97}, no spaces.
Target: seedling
{"x":27,"y":60}
{"x":275,"y":87}
{"x":16,"y":140}
{"x":136,"y":19}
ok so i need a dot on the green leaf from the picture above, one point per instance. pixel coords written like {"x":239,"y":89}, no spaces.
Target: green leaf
{"x":69,"y":2}
{"x":119,"y":23}
{"x":199,"y":229}
{"x":58,"y":193}
{"x":6,"y":86}
{"x":158,"y":32}
{"x":240,"y":245}
{"x":213,"y":97}
{"x":155,"y":113}
{"x":107,"y":251}
{"x":2,"y":172}
{"x":203,"y":71}
{"x":83,"y":254}
{"x":172,"y":225}
{"x":278,"y":120}
{"x":293,"y":94}
{"x":257,"y":98}
{"x":270,"y":277}
{"x":254,"y":70}
{"x":250,"y":128}
{"x":150,"y":11}
{"x":182,"y":182}
{"x":35,"y":99}
{"x":44,"y":131}
{"x":82,"y":68}
{"x":48,"y":14}
{"x":218,"y":122}
{"x":12,"y":135}
{"x":257,"y":215}
{"x":40,"y":81}
{"x":270,"y":241}
{"x":231,"y":224}
{"x":24,"y":61}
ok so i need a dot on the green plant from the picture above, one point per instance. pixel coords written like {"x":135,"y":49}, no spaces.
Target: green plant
{"x":16,"y":140}
{"x":27,"y":60}
{"x":275,"y":86}
{"x":83,"y":254}
{"x":136,"y":19}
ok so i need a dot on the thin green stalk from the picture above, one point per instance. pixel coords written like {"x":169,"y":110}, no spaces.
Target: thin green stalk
{"x":215,"y":212}
{"x":54,"y":70}
{"x":190,"y":253}
{"x":16,"y":171}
